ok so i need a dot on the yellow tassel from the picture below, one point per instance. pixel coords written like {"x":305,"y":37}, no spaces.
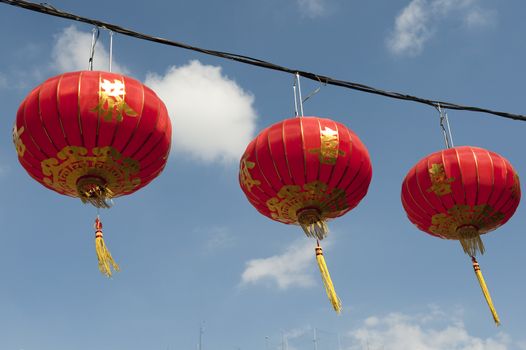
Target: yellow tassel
{"x":326,"y":277}
{"x":106,"y":261}
{"x":485,"y":290}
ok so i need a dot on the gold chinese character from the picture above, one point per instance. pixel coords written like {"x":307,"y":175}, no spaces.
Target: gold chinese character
{"x":19,"y":145}
{"x":111,"y":101}
{"x":440,"y":183}
{"x":246,"y":178}
{"x":328,"y":152}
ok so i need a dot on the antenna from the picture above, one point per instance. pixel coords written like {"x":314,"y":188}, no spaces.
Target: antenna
{"x":201,"y":332}
{"x":315,"y":338}
{"x":284,"y":343}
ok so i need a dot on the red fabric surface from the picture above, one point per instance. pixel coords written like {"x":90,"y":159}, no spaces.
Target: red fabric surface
{"x":63,"y":111}
{"x":471,"y":177}
{"x":301,"y":152}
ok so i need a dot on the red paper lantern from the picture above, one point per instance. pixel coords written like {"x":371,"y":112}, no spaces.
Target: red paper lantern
{"x":305,"y":171}
{"x":92,"y":135}
{"x":461,"y":193}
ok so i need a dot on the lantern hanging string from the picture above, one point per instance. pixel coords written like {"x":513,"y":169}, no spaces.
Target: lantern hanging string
{"x":50,"y":10}
{"x":446,"y":128}
{"x":298,"y":101}
{"x":111,"y":50}
{"x":94,"y":38}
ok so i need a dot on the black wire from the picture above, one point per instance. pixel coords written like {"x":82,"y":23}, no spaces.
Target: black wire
{"x":50,"y":10}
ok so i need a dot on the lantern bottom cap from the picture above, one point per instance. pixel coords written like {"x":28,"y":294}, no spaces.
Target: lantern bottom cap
{"x":93,"y":189}
{"x":312,"y":223}
{"x":469,"y":238}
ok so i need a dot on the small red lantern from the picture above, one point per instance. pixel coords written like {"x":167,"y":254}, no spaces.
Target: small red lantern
{"x":461,"y":193}
{"x":95,"y":136}
{"x":305,"y":171}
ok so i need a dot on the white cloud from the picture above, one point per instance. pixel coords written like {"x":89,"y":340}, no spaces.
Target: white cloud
{"x":480,"y":18}
{"x":292,"y":268}
{"x":432,"y":331}
{"x":312,"y":8}
{"x":420,"y":19}
{"x":71,"y":52}
{"x":213,"y":117}
{"x":219,"y":238}
{"x":411,"y":29}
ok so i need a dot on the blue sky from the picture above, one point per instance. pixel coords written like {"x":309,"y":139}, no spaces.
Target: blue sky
{"x":192,"y":249}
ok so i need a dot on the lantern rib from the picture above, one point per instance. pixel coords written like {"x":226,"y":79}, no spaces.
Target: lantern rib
{"x":258,"y":166}
{"x":304,"y":149}
{"x":274,"y":166}
{"x":503,"y":190}
{"x":38,"y":148}
{"x":477,"y":197}
{"x":44,"y":128}
{"x":59,"y":114}
{"x":286,"y":155}
{"x":97,"y":130}
{"x":355,"y":194}
{"x":347,"y":167}
{"x":423,"y":200}
{"x":423,"y":196}
{"x":140,"y":147}
{"x":353,"y":182}
{"x":333,"y":168}
{"x":461,"y":175}
{"x":79,"y":120}
{"x":443,"y":207}
{"x":138,"y":119}
{"x":51,"y":11}
{"x":499,"y":196}
{"x":155,"y":144}
{"x":416,"y":209}
{"x":351,"y":151}
{"x":492,"y":176}
{"x":450,"y":195}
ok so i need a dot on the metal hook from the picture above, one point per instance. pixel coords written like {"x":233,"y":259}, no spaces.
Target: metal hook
{"x":446,"y":129}
{"x":316,"y":90}
{"x":94,"y":38}
{"x":298,"y":100}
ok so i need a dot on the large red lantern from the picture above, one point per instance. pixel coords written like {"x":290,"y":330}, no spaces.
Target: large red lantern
{"x":93,"y":135}
{"x":461,"y":193}
{"x":305,"y":171}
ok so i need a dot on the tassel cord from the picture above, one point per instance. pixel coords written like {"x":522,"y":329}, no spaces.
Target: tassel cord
{"x":327,"y":281}
{"x":485,"y":290}
{"x":105,"y":260}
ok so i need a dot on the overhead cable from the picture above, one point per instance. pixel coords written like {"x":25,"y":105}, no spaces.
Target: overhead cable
{"x":50,"y":10}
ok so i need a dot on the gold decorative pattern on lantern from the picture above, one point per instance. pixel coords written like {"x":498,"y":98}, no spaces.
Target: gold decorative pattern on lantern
{"x":73,"y":163}
{"x":19,"y":145}
{"x":483,"y":217}
{"x":111,"y":101}
{"x":292,"y":198}
{"x":440,"y":182}
{"x":245,"y":177}
{"x":328,"y":152}
{"x":516,"y":188}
